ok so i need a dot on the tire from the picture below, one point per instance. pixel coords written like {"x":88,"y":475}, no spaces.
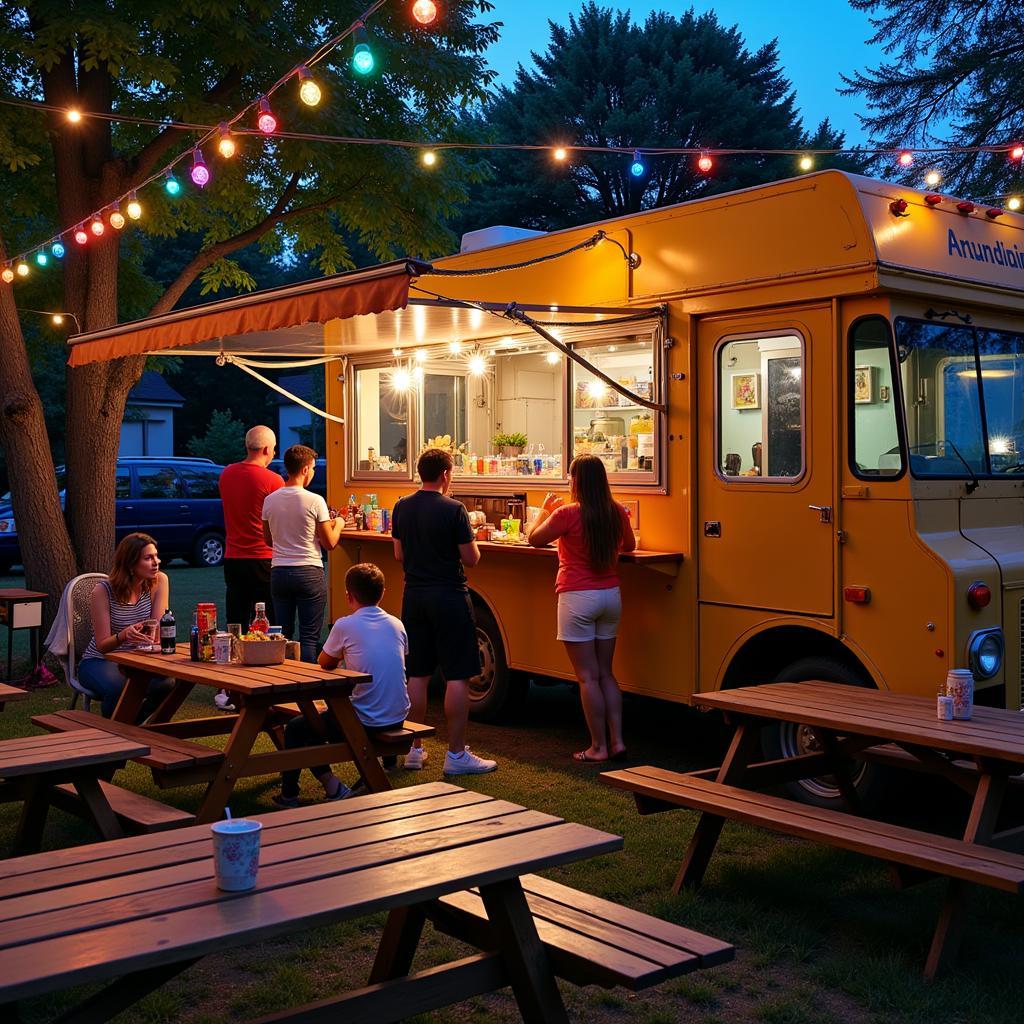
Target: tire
{"x":208,"y":550}
{"x":496,"y":693}
{"x":786,"y":739}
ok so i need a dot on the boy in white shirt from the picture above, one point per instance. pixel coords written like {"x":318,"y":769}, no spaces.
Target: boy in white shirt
{"x":371,"y":641}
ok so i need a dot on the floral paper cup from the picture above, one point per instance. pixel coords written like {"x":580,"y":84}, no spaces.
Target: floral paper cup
{"x":236,"y":853}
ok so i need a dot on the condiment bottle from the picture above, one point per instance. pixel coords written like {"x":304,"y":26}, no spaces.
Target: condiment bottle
{"x":260,"y":622}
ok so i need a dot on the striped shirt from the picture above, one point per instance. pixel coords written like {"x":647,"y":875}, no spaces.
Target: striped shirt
{"x":121,"y":617}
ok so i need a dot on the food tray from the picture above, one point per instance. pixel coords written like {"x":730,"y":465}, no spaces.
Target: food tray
{"x":261,"y":652}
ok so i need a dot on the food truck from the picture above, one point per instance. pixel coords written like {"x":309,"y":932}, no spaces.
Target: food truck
{"x":808,"y":394}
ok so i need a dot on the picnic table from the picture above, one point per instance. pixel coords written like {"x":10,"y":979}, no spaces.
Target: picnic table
{"x":981,"y":756}
{"x":8,"y":692}
{"x":177,"y":760}
{"x":31,"y":768}
{"x":143,"y":909}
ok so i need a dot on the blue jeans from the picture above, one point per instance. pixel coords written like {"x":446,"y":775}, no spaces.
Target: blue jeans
{"x":104,"y":681}
{"x":302,"y":589}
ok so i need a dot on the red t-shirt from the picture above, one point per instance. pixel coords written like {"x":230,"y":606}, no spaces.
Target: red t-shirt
{"x":243,"y":486}
{"x":574,"y":569}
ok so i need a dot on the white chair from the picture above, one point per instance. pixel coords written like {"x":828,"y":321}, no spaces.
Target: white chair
{"x":74,"y":608}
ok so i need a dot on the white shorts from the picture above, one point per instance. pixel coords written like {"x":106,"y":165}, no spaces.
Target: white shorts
{"x":589,"y":615}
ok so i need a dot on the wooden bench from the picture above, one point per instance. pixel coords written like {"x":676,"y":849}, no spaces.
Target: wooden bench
{"x":589,"y":940}
{"x":174,"y":761}
{"x":135,"y":812}
{"x":394,"y":741}
{"x":11,"y":693}
{"x":658,"y":789}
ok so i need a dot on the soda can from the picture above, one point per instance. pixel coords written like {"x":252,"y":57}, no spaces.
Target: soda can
{"x":385,"y":520}
{"x":222,"y":648}
{"x":944,"y":711}
{"x":960,"y":688}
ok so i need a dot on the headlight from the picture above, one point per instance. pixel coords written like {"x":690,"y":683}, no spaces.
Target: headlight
{"x":6,"y":526}
{"x":985,"y":652}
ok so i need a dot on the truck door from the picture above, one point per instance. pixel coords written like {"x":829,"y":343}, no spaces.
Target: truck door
{"x":766,"y":532}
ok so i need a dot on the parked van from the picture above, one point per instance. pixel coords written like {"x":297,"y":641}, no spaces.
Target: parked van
{"x":810,"y":395}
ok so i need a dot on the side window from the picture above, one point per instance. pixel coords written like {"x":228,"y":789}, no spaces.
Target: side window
{"x":874,"y":435}
{"x":158,"y":482}
{"x":201,"y":483}
{"x":122,"y":484}
{"x":761,"y":408}
{"x":382,"y":423}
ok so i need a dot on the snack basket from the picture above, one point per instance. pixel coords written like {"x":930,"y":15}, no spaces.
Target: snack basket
{"x":261,"y":652}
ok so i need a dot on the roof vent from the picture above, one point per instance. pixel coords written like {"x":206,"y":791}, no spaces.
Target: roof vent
{"x":498,"y":234}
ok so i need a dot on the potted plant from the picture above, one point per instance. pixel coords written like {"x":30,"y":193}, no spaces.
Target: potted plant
{"x":509,"y":444}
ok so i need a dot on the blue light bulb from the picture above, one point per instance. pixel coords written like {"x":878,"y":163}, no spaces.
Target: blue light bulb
{"x":172,"y":185}
{"x":362,"y":59}
{"x":58,"y":250}
{"x":636,"y":168}
{"x":41,"y":258}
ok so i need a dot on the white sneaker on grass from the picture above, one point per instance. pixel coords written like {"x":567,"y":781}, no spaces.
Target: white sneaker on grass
{"x":467,"y":763}
{"x":415,"y":759}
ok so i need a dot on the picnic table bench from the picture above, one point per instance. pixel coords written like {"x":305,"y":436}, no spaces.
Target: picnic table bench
{"x":32,"y":766}
{"x":8,"y":692}
{"x":853,"y":722}
{"x":143,"y":909}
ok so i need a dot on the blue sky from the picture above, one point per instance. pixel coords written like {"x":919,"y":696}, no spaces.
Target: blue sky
{"x":817,"y":41}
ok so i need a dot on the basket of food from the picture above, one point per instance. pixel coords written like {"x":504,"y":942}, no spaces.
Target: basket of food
{"x":260,"y":649}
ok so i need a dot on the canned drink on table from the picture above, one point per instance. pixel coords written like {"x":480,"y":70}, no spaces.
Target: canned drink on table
{"x":944,"y":711}
{"x":960,"y":688}
{"x":222,"y":648}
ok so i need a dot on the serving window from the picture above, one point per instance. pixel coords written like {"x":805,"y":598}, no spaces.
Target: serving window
{"x":510,"y":408}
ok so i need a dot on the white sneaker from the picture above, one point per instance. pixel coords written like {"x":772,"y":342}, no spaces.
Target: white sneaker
{"x":415,"y":759}
{"x":223,"y":702}
{"x":467,"y":763}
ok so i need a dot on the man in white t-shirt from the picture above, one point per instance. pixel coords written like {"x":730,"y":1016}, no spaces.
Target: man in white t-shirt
{"x":371,"y":641}
{"x":296,"y":524}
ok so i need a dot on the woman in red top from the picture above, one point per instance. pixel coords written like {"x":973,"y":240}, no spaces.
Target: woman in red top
{"x":591,"y":531}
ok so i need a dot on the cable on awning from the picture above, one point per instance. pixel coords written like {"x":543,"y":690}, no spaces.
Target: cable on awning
{"x":246,"y":366}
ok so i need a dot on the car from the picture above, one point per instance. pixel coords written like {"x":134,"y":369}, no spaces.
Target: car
{"x":319,"y":483}
{"x":175,"y":500}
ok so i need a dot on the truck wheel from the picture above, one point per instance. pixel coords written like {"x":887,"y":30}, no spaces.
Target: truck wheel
{"x":786,"y":739}
{"x":208,"y":550}
{"x":496,"y":692}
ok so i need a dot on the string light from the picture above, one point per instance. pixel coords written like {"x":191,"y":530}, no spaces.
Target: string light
{"x":424,"y":11}
{"x":906,"y":158}
{"x":806,"y":162}
{"x":97,"y":227}
{"x":41,"y":258}
{"x":560,"y":154}
{"x":58,"y":250}
{"x":226,"y":146}
{"x":636,"y":168}
{"x":171,"y":183}
{"x":265,"y":120}
{"x":1017,"y":152}
{"x":57,"y":319}
{"x":81,"y":237}
{"x":21,"y":269}
{"x":362,"y":55}
{"x":932,"y":178}
{"x":309,"y":91}
{"x":454,"y":347}
{"x":7,"y":274}
{"x":429,"y":158}
{"x":134,"y":207}
{"x":1014,"y":203}
{"x":420,"y":355}
{"x":705,"y":163}
{"x":117,"y":218}
{"x":200,"y":173}
{"x":477,"y":364}
{"x":74,"y":115}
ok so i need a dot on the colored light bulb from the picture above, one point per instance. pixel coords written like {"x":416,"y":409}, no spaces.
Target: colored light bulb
{"x":200,"y":173}
{"x":226,"y":146}
{"x":906,"y":158}
{"x":806,"y":162}
{"x":81,"y":237}
{"x":636,"y":168}
{"x":97,"y":227}
{"x":265,"y":121}
{"x":117,"y":218}
{"x":705,"y":163}
{"x":309,"y":91}
{"x":171,"y":184}
{"x":362,"y":55}
{"x":7,"y":274}
{"x":21,"y":269}
{"x":41,"y":258}
{"x":58,"y":250}
{"x":1017,"y":152}
{"x":429,"y":158}
{"x":134,"y":207}
{"x":424,"y":11}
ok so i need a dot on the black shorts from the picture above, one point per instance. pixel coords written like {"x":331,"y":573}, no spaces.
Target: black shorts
{"x":441,"y":628}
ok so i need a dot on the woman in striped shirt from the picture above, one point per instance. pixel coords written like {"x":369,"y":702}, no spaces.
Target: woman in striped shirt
{"x":135,"y":591}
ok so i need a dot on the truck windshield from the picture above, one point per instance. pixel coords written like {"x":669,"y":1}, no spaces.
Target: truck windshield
{"x":963,"y":390}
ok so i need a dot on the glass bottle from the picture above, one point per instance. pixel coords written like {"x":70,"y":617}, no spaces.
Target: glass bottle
{"x":260,"y":623}
{"x":193,"y":638}
{"x":168,"y":633}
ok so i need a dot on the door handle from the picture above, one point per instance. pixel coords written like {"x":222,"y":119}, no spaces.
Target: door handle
{"x":824,"y":512}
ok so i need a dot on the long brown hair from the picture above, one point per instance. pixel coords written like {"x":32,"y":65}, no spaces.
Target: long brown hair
{"x":126,"y":557}
{"x":599,"y":512}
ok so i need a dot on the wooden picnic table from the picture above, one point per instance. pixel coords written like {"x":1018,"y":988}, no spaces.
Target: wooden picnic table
{"x":981,"y":756}
{"x":143,"y":909}
{"x":8,"y":692}
{"x":32,"y":766}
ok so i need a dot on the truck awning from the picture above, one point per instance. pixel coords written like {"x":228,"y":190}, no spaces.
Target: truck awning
{"x":358,"y":293}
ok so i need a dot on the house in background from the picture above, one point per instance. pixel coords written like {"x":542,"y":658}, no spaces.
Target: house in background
{"x":293,"y":421}
{"x":148,"y":425}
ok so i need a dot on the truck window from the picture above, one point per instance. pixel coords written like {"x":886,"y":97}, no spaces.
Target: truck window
{"x":761,"y":408}
{"x":382,"y":395}
{"x":874,"y":435}
{"x":607,"y":424}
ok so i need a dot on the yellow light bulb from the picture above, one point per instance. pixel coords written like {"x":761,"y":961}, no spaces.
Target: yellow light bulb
{"x":58,"y":319}
{"x":477,"y":365}
{"x":806,"y":163}
{"x":429,"y":158}
{"x":420,"y":355}
{"x":7,"y":274}
{"x":1013,"y":203}
{"x":932,"y":178}
{"x":309,"y":92}
{"x":455,"y":347}
{"x":226,"y":147}
{"x":134,"y":209}
{"x":597,"y":389}
{"x":560,"y":153}
{"x":400,"y":380}
{"x":74,"y":116}
{"x":117,"y":220}
{"x":552,"y":358}
{"x":22,"y":269}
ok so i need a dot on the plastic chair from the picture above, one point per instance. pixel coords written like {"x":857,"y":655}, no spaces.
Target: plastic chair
{"x":75,"y":606}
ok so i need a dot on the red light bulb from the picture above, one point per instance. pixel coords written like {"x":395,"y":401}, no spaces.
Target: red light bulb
{"x":80,"y":236}
{"x":97,"y":227}
{"x":1017,"y":152}
{"x":424,"y":11}
{"x":266,"y":122}
{"x":906,"y":158}
{"x":705,"y":163}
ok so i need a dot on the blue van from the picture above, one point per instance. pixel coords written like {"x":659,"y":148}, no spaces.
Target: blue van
{"x":175,"y":500}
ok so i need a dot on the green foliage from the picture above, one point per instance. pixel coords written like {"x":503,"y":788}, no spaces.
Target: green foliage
{"x":607,"y":81}
{"x":516,"y":440}
{"x":954,"y":79}
{"x":224,"y":440}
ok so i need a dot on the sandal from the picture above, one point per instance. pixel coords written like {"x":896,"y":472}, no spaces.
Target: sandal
{"x":583,"y":758}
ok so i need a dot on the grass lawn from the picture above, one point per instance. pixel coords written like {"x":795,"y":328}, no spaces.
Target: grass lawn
{"x":821,"y":935}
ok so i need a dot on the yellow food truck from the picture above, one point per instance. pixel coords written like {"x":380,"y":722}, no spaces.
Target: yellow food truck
{"x":810,"y":396}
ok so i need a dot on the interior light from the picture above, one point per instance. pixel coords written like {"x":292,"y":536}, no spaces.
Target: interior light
{"x":1000,"y":446}
{"x":597,"y":390}
{"x":553,"y":358}
{"x":400,"y":380}
{"x":417,"y":375}
{"x":455,"y":347}
{"x":477,"y":364}
{"x":420,"y":355}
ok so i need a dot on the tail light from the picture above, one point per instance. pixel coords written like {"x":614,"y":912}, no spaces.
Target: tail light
{"x":979,"y":595}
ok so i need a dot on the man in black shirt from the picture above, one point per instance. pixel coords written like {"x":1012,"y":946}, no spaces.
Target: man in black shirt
{"x":433,"y":541}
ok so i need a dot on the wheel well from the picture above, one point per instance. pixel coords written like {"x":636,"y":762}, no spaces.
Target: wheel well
{"x":763,"y":656}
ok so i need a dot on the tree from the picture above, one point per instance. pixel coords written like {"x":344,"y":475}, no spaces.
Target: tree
{"x":605,"y":81}
{"x":224,"y":440}
{"x":197,"y":63}
{"x":954,"y":80}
